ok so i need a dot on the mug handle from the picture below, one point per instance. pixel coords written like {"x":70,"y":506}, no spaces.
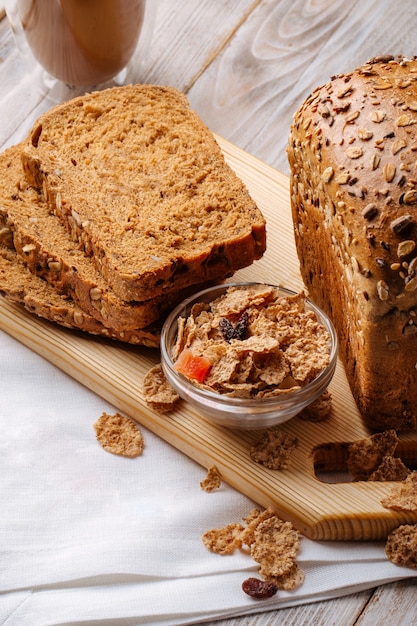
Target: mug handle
{"x":12,"y":14}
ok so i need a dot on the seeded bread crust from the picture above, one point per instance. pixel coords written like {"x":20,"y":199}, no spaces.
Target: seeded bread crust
{"x":44,"y":244}
{"x":19,"y":285}
{"x":142,"y":184}
{"x":352,"y":154}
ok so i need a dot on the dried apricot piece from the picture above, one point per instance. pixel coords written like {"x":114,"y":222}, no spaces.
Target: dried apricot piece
{"x":193,"y":366}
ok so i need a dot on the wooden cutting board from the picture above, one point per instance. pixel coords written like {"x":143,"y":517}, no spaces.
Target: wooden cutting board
{"x":320,"y":509}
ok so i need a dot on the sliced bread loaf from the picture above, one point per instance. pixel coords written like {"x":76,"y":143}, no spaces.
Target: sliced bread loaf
{"x":44,"y":244}
{"x":142,"y":184}
{"x":18,"y":284}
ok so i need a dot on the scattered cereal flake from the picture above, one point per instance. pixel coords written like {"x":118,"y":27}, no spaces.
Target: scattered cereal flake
{"x":291,"y":580}
{"x":157,"y":391}
{"x":275,"y":547}
{"x":224,"y":540}
{"x":365,"y":455}
{"x":212,"y":481}
{"x":401,"y":546}
{"x":319,"y":410}
{"x":390,"y":468}
{"x":273,"y":544}
{"x":274,"y":449}
{"x":255,"y":517}
{"x":119,"y":435}
{"x":403,"y":496}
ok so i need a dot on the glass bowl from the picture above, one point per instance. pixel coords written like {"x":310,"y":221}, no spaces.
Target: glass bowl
{"x":236,"y":412}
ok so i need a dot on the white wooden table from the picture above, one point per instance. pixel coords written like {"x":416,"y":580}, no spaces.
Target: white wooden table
{"x":246,"y":65}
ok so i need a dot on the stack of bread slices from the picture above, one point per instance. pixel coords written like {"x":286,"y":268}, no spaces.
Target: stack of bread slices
{"x":118,"y":205}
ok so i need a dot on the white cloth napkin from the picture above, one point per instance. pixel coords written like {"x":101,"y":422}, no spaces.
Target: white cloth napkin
{"x":90,"y":537}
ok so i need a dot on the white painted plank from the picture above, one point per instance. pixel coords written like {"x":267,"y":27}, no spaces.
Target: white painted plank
{"x":284,"y":50}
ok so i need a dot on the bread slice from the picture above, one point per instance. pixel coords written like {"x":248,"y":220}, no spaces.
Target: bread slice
{"x":19,"y":285}
{"x":44,"y":244}
{"x":142,"y":184}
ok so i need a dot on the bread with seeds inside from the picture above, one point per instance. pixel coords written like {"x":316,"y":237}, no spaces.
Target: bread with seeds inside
{"x":352,"y":153}
{"x":141,"y":183}
{"x":46,"y":248}
{"x":19,"y":285}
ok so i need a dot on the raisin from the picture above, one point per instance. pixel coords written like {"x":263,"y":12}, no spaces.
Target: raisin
{"x":226,"y":328}
{"x":256,"y":588}
{"x":237,"y":332}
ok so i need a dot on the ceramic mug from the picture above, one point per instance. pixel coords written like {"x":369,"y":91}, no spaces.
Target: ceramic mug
{"x":80,"y":42}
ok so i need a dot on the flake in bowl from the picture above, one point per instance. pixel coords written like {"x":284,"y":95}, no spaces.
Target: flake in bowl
{"x":248,"y":355}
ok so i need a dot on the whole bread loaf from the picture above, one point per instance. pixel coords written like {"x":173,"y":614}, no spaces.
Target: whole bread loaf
{"x":142,"y":184}
{"x":44,"y":244}
{"x":352,"y":154}
{"x":19,"y":285}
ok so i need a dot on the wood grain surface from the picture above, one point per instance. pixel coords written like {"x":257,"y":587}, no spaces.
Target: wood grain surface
{"x":246,"y":65}
{"x":320,"y":510}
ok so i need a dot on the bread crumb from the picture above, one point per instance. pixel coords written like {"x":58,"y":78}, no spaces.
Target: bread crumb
{"x":157,"y":392}
{"x":119,"y":435}
{"x":403,"y":496}
{"x":401,"y":546}
{"x":212,"y":481}
{"x":274,"y":449}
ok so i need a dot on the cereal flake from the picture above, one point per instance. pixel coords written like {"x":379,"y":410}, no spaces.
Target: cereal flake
{"x":319,"y":410}
{"x":212,"y":481}
{"x":273,"y":544}
{"x":158,"y":393}
{"x":366,"y":455}
{"x":119,"y":435}
{"x":390,"y":468}
{"x":401,"y":546}
{"x":259,"y":343}
{"x":403,"y":496}
{"x":275,"y":547}
{"x":224,"y":540}
{"x":274,"y":449}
